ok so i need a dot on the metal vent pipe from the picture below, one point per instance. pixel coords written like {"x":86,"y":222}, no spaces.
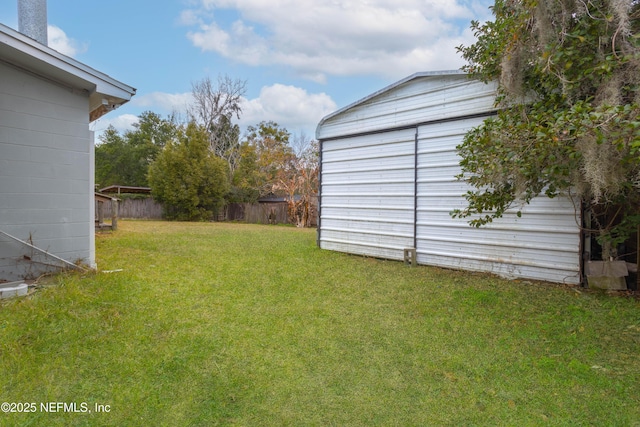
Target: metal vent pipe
{"x":32,"y":19}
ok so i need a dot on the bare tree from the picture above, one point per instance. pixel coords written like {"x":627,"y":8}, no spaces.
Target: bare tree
{"x":300,"y":180}
{"x":214,"y":106}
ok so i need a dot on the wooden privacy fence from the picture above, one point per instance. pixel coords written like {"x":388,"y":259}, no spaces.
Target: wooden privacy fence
{"x":258,"y":213}
{"x":253,"y":213}
{"x":136,"y":208}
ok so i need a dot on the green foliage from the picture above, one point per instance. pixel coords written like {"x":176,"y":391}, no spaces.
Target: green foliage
{"x":125,"y":159}
{"x":188,"y":178}
{"x":274,"y":155}
{"x":152,"y":131}
{"x":112,"y":158}
{"x":569,"y":99}
{"x":247,"y":180}
{"x":182,"y":163}
{"x":269,"y":162}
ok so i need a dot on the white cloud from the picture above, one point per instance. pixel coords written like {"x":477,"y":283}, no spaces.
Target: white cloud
{"x":165,"y":102}
{"x":122,"y":123}
{"x":392,"y":38}
{"x":189,"y":17}
{"x":289,"y":106}
{"x":59,"y":41}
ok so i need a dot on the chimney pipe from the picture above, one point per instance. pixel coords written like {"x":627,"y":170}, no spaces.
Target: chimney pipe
{"x":32,"y":19}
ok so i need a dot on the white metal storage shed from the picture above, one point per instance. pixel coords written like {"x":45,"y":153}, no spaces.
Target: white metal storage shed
{"x":387,"y":183}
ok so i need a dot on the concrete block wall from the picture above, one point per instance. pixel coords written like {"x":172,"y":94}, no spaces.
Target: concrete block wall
{"x":45,"y":173}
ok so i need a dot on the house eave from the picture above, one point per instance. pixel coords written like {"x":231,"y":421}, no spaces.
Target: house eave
{"x":105,"y":93}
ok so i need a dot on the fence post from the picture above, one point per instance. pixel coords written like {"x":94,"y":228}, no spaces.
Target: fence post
{"x":114,"y":214}
{"x":100,"y":213}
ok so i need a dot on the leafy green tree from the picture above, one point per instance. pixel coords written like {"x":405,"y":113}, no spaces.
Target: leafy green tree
{"x":247,"y":180}
{"x":569,"y":102}
{"x":152,"y":131}
{"x":270,"y":162}
{"x":275,"y":159}
{"x":111,"y":158}
{"x":188,"y":178}
{"x":125,"y":159}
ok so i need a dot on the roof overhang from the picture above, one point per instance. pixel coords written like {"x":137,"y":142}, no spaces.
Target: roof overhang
{"x":104,"y":198}
{"x":104,"y":92}
{"x":126,"y":189}
{"x":392,"y":86}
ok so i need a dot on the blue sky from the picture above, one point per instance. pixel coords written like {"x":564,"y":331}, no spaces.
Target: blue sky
{"x":302,"y":59}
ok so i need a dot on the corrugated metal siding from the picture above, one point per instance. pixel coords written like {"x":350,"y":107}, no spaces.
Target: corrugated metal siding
{"x":369,"y":204}
{"x":368,"y":194}
{"x":416,"y":101}
{"x":543,"y":244}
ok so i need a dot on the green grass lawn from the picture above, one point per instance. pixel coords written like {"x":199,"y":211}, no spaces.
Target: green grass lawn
{"x":232,"y":324}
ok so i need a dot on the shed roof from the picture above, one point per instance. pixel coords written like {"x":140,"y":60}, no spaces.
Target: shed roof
{"x":127,"y":189}
{"x":103,"y":197}
{"x":389,"y":88}
{"x":421,"y":98}
{"x":25,"y":53}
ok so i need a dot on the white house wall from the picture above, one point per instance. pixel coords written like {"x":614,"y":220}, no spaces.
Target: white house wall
{"x":44,"y":173}
{"x":375,"y":202}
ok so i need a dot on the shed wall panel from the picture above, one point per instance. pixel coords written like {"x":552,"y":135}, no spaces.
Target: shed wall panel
{"x":542,"y":244}
{"x":365,"y":182}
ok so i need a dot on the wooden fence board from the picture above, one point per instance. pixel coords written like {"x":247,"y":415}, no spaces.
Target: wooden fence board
{"x":253,"y":213}
{"x":136,"y":209}
{"x":258,"y":213}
